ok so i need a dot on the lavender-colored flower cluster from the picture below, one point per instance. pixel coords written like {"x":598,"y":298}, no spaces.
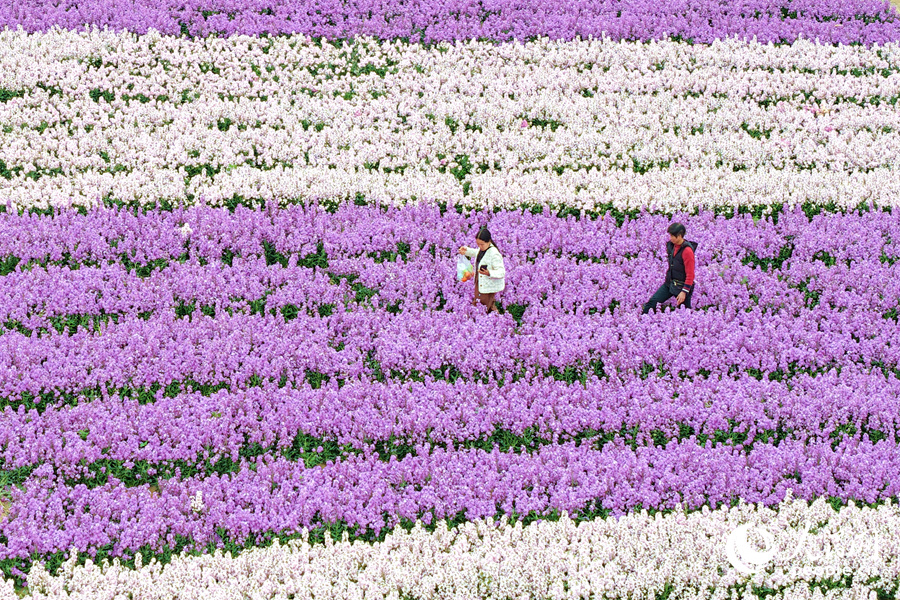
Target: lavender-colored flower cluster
{"x":365,"y":493}
{"x":837,"y":21}
{"x":206,"y":375}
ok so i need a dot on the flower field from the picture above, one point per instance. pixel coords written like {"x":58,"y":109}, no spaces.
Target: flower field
{"x":235,"y":361}
{"x":95,"y":118}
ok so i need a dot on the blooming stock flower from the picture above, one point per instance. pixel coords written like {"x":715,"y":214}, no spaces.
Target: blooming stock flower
{"x":230,"y":315}
{"x":663,"y":126}
{"x":565,"y":558}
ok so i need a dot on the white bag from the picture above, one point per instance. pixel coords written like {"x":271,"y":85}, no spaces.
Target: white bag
{"x":464,"y":269}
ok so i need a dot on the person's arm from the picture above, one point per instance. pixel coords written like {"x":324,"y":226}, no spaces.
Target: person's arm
{"x":495,"y":266}
{"x":688,"y":255}
{"x":471,"y":252}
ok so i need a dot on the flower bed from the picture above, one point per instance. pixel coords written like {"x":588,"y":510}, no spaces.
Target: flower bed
{"x":109,"y":118}
{"x":846,"y":554}
{"x":235,"y":359}
{"x":832,"y":21}
{"x":198,"y":378}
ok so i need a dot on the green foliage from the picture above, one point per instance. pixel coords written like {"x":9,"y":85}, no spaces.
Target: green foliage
{"x":72,"y":322}
{"x":289,"y":312}
{"x":363,"y":293}
{"x":767,"y":264}
{"x":461,"y":170}
{"x":8,"y":264}
{"x":143,"y":99}
{"x":756,"y":133}
{"x":272,"y":255}
{"x":98,"y":93}
{"x":6,"y":94}
{"x":810,"y":297}
{"x":143,"y":270}
{"x":60,"y":397}
{"x":317,"y":259}
{"x":544,"y":123}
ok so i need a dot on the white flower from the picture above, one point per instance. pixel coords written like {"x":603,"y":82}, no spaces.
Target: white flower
{"x":197,"y":502}
{"x":603,"y":118}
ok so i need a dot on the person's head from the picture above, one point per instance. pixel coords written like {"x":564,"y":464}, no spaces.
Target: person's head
{"x":676,"y":233}
{"x":483,"y":239}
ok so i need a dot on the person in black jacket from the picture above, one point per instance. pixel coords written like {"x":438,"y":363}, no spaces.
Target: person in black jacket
{"x":680,"y":274}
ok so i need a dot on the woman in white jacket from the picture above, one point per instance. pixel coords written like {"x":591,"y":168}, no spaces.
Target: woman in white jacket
{"x":490,"y":275}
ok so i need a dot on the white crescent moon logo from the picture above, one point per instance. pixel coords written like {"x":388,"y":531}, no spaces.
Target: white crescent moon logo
{"x":740,"y":554}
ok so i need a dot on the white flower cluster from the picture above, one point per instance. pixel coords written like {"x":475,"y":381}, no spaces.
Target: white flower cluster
{"x":662,"y":125}
{"x":197,"y":502}
{"x":185,"y":230}
{"x":634,"y":556}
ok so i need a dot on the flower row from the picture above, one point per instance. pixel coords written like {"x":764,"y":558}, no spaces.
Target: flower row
{"x":369,"y":496}
{"x":574,"y":290}
{"x":666,"y":125}
{"x":700,"y":555}
{"x":311,"y":234}
{"x":394,"y":418}
{"x":95,"y":292}
{"x":241,"y":349}
{"x":834,"y":21}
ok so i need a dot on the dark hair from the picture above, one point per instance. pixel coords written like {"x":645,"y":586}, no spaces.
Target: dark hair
{"x":485,"y":236}
{"x":677,"y":229}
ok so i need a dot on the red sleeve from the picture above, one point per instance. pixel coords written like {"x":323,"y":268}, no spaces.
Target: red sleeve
{"x":688,"y":255}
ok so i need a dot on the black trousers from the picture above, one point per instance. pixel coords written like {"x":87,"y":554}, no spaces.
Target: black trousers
{"x":665,"y":292}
